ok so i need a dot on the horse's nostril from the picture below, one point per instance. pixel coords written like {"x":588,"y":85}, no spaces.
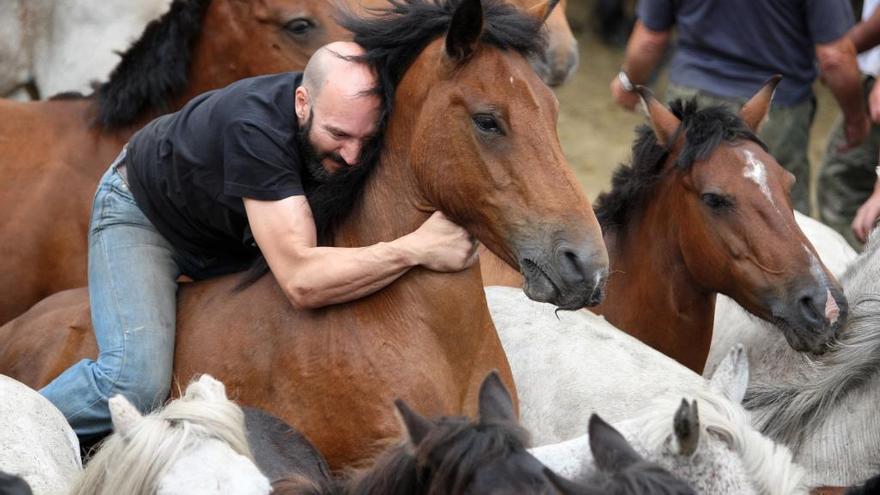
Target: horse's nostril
{"x":809,"y":309}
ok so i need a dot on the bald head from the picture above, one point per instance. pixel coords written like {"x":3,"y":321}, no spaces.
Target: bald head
{"x":337,"y":104}
{"x":332,"y":64}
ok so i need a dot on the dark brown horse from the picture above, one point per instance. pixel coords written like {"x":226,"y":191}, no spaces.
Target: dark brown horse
{"x":54,"y":152}
{"x":470,"y":120}
{"x":705,"y":209}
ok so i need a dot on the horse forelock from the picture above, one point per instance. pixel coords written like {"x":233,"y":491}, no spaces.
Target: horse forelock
{"x":769,"y":466}
{"x":631,"y":185}
{"x":155,"y":69}
{"x":791,"y":412}
{"x":136,"y":461}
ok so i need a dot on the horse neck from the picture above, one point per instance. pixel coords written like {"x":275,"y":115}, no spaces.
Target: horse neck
{"x":651,"y":294}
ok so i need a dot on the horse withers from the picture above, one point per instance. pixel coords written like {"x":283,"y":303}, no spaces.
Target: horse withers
{"x":470,"y":119}
{"x":704,"y":209}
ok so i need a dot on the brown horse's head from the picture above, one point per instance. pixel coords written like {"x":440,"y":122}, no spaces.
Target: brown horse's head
{"x":736,"y":229}
{"x":200,"y":45}
{"x":480,"y":129}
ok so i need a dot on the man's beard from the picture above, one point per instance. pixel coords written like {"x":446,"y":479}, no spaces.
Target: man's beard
{"x":331,"y":195}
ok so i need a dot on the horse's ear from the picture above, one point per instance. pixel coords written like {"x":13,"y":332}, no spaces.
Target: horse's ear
{"x":665,"y":124}
{"x":611,"y":451}
{"x":686,"y":426}
{"x":731,"y":378}
{"x":495,"y":403}
{"x":206,"y":387}
{"x":123,"y":414}
{"x":417,"y":426}
{"x":565,"y":487}
{"x":464,"y":30}
{"x":755,"y":111}
{"x":543,"y":9}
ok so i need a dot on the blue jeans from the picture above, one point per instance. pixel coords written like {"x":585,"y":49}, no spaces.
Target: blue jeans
{"x":133,"y":273}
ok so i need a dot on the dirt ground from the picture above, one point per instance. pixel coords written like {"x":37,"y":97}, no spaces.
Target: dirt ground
{"x":596,"y":134}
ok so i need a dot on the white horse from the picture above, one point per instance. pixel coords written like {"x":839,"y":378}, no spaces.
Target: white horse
{"x":825,"y":407}
{"x":36,"y":442}
{"x":195,"y":445}
{"x":707,"y":442}
{"x":764,"y":343}
{"x":65,"y":45}
{"x":568,"y":365}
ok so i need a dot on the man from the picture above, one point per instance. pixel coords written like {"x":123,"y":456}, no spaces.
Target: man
{"x":849,"y":188}
{"x":727,"y":48}
{"x":202,"y":191}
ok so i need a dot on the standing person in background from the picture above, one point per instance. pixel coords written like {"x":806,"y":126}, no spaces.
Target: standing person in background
{"x":727,"y":48}
{"x":849,"y":188}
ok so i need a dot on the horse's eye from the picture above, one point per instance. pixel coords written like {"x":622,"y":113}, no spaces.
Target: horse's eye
{"x":716,"y":201}
{"x":299,"y":26}
{"x":487,"y":124}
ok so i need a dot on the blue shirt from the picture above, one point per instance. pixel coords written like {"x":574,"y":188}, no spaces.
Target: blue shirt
{"x":730,"y":47}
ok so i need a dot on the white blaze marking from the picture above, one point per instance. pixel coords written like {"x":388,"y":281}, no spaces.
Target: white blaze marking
{"x":511,"y":80}
{"x":832,"y":310}
{"x":756,"y":172}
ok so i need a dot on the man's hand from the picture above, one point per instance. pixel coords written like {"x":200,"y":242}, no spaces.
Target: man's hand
{"x":442,"y":246}
{"x":856,"y":131}
{"x":626,"y":99}
{"x":867,"y":214}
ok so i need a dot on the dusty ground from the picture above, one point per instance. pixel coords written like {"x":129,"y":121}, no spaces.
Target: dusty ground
{"x":596,"y":134}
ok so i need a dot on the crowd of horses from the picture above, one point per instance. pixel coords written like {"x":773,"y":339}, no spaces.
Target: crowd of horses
{"x":485,"y":389}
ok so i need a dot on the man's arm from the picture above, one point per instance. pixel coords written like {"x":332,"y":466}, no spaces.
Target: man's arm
{"x":840,"y":72}
{"x":866,"y":34}
{"x":643,"y":52}
{"x":313,"y":276}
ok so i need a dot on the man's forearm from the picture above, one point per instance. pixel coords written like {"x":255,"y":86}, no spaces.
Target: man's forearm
{"x":866,"y":34}
{"x":643,"y":52}
{"x":329,"y":275}
{"x":840,"y":72}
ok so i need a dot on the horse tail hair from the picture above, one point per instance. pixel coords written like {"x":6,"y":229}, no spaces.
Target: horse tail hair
{"x":258,"y":269}
{"x":871,"y":487}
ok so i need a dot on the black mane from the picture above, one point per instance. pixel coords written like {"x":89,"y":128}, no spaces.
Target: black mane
{"x":704,"y":129}
{"x":155,"y":69}
{"x":445,"y":461}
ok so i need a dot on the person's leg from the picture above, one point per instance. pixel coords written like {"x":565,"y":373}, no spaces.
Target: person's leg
{"x":132,"y":288}
{"x":787,"y":134}
{"x":847,"y":179}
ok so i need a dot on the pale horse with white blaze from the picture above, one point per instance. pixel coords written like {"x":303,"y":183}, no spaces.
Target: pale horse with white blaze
{"x":65,"y":45}
{"x":568,"y":365}
{"x":195,"y":445}
{"x":36,"y":442}
{"x":825,"y":407}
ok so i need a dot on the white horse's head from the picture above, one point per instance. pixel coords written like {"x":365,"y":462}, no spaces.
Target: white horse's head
{"x":195,"y":445}
{"x":710,"y":441}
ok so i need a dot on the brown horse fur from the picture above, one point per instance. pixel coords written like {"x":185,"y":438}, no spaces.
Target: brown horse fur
{"x":671,"y":252}
{"x":54,"y":152}
{"x":428,"y":337}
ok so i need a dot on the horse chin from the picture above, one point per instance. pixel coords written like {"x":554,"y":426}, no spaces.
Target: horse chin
{"x":537,"y":285}
{"x":807,"y":340}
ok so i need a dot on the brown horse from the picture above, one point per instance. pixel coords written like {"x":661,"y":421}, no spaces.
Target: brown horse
{"x":705,"y":209}
{"x":470,"y":120}
{"x":54,"y":152}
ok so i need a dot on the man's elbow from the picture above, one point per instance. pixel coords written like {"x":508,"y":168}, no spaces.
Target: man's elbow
{"x":301,"y":297}
{"x":836,"y":57}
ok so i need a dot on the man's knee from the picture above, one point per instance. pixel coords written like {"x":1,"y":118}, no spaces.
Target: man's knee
{"x":146,"y":387}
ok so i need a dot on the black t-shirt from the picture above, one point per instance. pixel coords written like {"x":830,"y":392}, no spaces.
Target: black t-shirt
{"x":189,"y":170}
